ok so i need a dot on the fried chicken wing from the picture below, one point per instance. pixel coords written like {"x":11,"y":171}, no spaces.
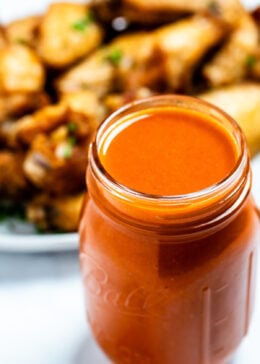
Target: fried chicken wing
{"x":13,"y":182}
{"x":2,"y":38}
{"x":92,"y":73}
{"x":230,"y":64}
{"x":184,"y":44}
{"x":25,"y":129}
{"x":104,"y":70}
{"x":57,"y":165}
{"x":20,"y":70}
{"x":86,"y":104}
{"x":242,"y":102}
{"x":165,"y":56}
{"x":15,"y":105}
{"x":82,"y":107}
{"x":23,"y":31}
{"x":158,"y":12}
{"x":67,"y":32}
{"x":61,"y":213}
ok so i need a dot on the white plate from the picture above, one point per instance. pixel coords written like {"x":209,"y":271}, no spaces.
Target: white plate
{"x":21,"y":238}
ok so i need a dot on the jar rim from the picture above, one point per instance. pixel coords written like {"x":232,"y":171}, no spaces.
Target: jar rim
{"x":159,"y":101}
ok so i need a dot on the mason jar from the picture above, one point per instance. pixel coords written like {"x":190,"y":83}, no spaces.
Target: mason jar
{"x":169,"y":279}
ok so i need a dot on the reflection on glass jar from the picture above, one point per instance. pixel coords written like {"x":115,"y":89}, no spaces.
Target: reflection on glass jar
{"x":169,"y":277}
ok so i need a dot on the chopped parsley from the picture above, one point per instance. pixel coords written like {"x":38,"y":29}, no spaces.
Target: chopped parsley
{"x":114,"y":56}
{"x":21,"y":41}
{"x":72,"y":141}
{"x":72,"y":127}
{"x":250,"y":61}
{"x":82,"y":24}
{"x":68,"y":147}
{"x":214,"y":8}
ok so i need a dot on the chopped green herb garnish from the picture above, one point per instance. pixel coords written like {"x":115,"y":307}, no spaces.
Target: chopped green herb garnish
{"x":115,"y":56}
{"x":9,"y":210}
{"x":67,"y":152}
{"x":72,"y":141}
{"x":21,"y":41}
{"x":82,"y":24}
{"x":214,"y":8}
{"x":71,"y":127}
{"x":250,"y":61}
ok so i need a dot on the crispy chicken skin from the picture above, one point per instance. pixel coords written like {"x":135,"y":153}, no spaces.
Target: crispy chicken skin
{"x":13,"y":182}
{"x":2,"y":37}
{"x":58,"y":143}
{"x":15,"y":105}
{"x":86,"y":104}
{"x":20,"y":70}
{"x":98,"y":71}
{"x":247,"y":113}
{"x":66,"y":33}
{"x":60,"y":213}
{"x":230,"y":64}
{"x":184,"y":44}
{"x":166,"y":56}
{"x":72,"y":107}
{"x":23,"y":31}
{"x":57,"y":166}
{"x":158,"y":12}
{"x":25,"y":129}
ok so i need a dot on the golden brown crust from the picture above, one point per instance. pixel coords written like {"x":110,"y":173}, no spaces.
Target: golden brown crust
{"x":13,"y":182}
{"x":67,"y":33}
{"x":232,"y":100}
{"x":49,"y":213}
{"x":20,"y":70}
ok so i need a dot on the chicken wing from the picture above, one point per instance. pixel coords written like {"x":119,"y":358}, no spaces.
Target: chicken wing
{"x":230,"y":64}
{"x":184,"y":44}
{"x":68,"y":32}
{"x":162,"y":57}
{"x":57,"y":164}
{"x":15,"y":105}
{"x":23,"y":31}
{"x":13,"y":183}
{"x":20,"y":70}
{"x":242,"y":102}
{"x":61,"y":214}
{"x":158,"y":12}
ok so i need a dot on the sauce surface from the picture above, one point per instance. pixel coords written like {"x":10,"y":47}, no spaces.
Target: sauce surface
{"x":168,"y":151}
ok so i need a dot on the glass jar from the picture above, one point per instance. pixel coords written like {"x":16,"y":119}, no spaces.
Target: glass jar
{"x":169,"y":279}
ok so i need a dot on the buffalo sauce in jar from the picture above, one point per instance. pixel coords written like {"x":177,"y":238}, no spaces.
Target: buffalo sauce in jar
{"x":168,"y":235}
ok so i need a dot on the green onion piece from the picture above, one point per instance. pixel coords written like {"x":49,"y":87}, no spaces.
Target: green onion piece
{"x":250,"y":61}
{"x":214,"y":8}
{"x":72,"y":141}
{"x":21,"y":41}
{"x":82,"y":24}
{"x":67,"y":153}
{"x":71,"y":127}
{"x":114,"y":56}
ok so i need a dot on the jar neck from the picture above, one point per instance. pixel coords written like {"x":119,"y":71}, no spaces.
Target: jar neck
{"x":181,"y":216}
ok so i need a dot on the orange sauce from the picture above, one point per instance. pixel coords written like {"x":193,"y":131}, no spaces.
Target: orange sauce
{"x":169,"y":152}
{"x":151,"y":297}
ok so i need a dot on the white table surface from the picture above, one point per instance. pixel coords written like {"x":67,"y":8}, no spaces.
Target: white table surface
{"x":42,"y":317}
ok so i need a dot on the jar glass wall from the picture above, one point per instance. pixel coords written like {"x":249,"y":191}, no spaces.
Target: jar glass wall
{"x":169,"y":279}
